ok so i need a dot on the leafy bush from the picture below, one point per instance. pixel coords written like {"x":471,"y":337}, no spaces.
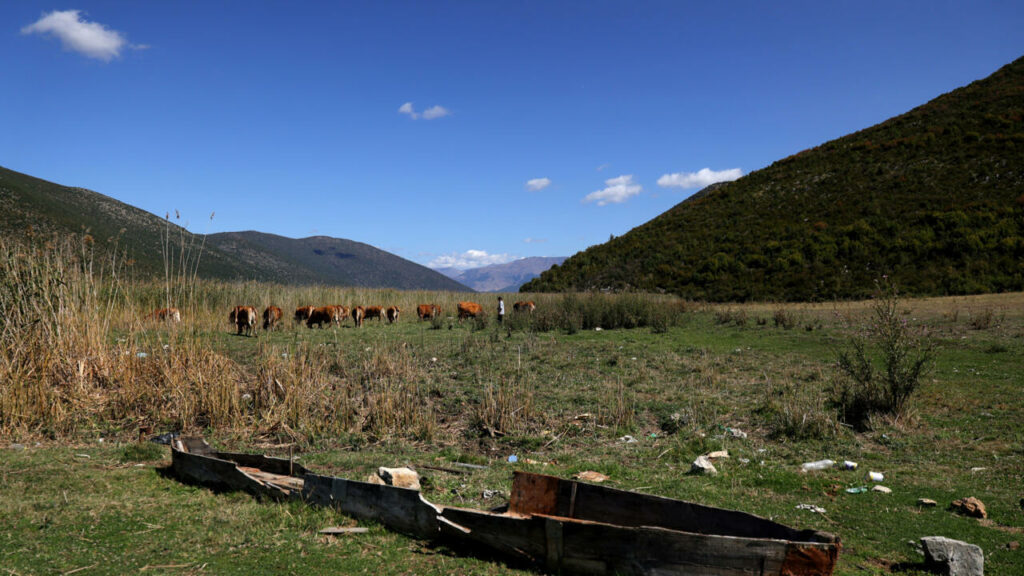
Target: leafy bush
{"x":904,"y":355}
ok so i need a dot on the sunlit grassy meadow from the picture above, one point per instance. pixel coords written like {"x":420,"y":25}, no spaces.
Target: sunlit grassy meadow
{"x":632,"y":386}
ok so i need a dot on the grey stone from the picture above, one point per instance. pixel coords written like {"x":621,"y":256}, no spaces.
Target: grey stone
{"x":953,"y":557}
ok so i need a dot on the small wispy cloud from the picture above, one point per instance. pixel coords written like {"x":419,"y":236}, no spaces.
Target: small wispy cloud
{"x":603,"y":167}
{"x":616,"y":191}
{"x":90,"y":39}
{"x":538,"y":184}
{"x":470,"y":259}
{"x":699,"y":179}
{"x":428,"y":114}
{"x":535,"y":240}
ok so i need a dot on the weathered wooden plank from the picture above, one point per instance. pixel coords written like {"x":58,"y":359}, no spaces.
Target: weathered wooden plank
{"x":400,"y":509}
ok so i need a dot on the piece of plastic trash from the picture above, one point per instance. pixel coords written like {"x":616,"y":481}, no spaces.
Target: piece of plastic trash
{"x":857,"y":490}
{"x":811,"y":508}
{"x":849,"y":465}
{"x":164,"y":438}
{"x":876,"y":476}
{"x":817,"y":465}
{"x":513,"y":459}
{"x":142,"y":355}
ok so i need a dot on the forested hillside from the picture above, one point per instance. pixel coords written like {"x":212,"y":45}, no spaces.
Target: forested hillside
{"x":933,"y":198}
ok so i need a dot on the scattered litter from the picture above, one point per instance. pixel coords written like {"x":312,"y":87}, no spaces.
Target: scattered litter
{"x":488,"y":494}
{"x":882,"y":489}
{"x":736,"y":432}
{"x":336,"y":530}
{"x":82,"y":456}
{"x":703,"y":466}
{"x":433,"y":358}
{"x":598,"y":329}
{"x":633,"y":358}
{"x":532,"y":461}
{"x":100,"y":440}
{"x":876,"y":476}
{"x":627,"y":439}
{"x":744,"y":460}
{"x":17,"y":447}
{"x":142,"y":355}
{"x":977,"y":469}
{"x":591,"y":476}
{"x":513,"y":459}
{"x":717,"y":454}
{"x":584,"y":416}
{"x":811,"y":508}
{"x":927,"y":502}
{"x":849,"y":465}
{"x":857,"y":490}
{"x":817,"y":465}
{"x":470,"y":466}
{"x":164,"y":438}
{"x":970,"y":507}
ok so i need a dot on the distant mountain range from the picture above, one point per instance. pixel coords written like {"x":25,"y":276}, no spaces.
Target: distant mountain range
{"x":506,"y":277}
{"x":933,"y":199}
{"x":46,"y":207}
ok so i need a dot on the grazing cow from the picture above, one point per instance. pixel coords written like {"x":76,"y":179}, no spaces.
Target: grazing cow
{"x":302,"y":313}
{"x":469,"y":310}
{"x":244,"y":318}
{"x":392,"y":313}
{"x":358,"y":312}
{"x":271,"y":316}
{"x":527,"y":306}
{"x":165,"y":314}
{"x":329,"y":315}
{"x":428,"y":311}
{"x":342,"y":312}
{"x":374,"y":312}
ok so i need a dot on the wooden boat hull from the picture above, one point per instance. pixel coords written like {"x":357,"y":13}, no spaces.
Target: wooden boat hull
{"x":578,"y":528}
{"x":566,"y":526}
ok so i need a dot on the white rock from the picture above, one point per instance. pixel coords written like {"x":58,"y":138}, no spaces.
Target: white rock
{"x":953,"y":557}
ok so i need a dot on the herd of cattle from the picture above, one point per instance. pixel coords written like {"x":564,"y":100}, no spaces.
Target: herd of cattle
{"x":244,"y":318}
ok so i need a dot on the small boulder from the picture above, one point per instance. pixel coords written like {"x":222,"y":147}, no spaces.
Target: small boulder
{"x":952,"y":557}
{"x":970,"y":507}
{"x":703,"y":466}
{"x":400,"y":477}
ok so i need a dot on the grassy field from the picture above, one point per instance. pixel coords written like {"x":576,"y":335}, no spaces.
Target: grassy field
{"x":79,"y":494}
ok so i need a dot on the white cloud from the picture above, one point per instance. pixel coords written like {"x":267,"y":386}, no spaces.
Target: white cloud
{"x":470,"y":259}
{"x":428,"y":114}
{"x":538,"y":184}
{"x":535,"y":240}
{"x":616,"y":191}
{"x":700,"y":179}
{"x":435,"y":112}
{"x":407,"y":109}
{"x":90,"y":39}
{"x":603,"y":167}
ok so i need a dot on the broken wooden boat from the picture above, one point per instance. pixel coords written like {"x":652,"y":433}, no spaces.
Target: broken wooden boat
{"x":563,"y":525}
{"x":573,"y":527}
{"x":400,"y":509}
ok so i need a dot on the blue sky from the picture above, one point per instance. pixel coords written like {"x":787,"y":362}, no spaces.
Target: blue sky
{"x":459,"y":132}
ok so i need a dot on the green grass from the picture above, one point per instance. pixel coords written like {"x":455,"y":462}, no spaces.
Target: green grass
{"x":118,"y":511}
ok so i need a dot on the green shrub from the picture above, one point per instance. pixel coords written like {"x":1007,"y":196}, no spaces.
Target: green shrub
{"x":883,"y":365}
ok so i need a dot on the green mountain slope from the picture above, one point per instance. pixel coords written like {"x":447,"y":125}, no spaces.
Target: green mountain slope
{"x":45,"y":207}
{"x":933,"y":198}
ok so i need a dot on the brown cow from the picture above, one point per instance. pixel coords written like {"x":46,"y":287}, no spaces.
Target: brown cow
{"x":329,"y":315}
{"x":392,"y":313}
{"x":469,"y":310}
{"x":527,"y":306}
{"x":165,"y":314}
{"x":302,"y":313}
{"x":428,"y":311}
{"x":374,"y":312}
{"x":271,"y":316}
{"x":357,"y":315}
{"x":342,"y":312}
{"x":244,"y":318}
